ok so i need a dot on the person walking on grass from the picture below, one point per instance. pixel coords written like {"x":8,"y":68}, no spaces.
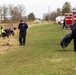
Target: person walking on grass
{"x":23,"y":27}
{"x":64,"y":24}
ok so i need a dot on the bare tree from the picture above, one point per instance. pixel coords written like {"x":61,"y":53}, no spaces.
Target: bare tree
{"x":16,"y":12}
{"x":0,"y":9}
{"x":46,"y":17}
{"x":11,"y":12}
{"x":59,"y":12}
{"x":21,"y":11}
{"x":53,"y":15}
{"x":4,"y":12}
{"x":1,"y":13}
{"x":74,"y":9}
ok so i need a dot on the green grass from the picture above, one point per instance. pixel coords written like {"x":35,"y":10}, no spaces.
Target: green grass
{"x":42,"y":54}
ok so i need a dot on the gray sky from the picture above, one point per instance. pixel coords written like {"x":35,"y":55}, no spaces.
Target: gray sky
{"x":39,"y":6}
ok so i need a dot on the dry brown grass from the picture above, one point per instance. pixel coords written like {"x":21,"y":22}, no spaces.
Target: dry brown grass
{"x":14,"y":43}
{"x":4,"y":47}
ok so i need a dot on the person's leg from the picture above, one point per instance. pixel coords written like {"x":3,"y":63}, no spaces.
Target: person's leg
{"x":74,"y":37}
{"x":75,"y":44}
{"x":20,"y":39}
{"x":24,"y":39}
{"x":65,"y":26}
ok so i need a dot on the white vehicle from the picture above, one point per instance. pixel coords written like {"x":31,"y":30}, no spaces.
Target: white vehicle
{"x":60,"y":19}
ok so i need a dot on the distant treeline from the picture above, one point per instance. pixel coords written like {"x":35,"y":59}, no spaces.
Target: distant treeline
{"x":51,"y":15}
{"x":14,"y":13}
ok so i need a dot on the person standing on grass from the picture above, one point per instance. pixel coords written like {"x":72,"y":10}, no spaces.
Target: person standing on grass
{"x":64,"y":24}
{"x":22,"y":32}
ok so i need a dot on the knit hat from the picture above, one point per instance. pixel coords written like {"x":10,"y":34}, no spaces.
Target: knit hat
{"x":21,"y":20}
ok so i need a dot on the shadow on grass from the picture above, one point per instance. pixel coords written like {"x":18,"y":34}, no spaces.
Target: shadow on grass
{"x":65,"y":50}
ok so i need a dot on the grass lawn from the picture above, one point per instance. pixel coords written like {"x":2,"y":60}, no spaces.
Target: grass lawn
{"x":42,"y":54}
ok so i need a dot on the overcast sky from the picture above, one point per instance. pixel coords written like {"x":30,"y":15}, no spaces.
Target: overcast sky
{"x":39,"y":7}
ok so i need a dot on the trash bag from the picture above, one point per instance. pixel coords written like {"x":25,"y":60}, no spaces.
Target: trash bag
{"x":65,"y":41}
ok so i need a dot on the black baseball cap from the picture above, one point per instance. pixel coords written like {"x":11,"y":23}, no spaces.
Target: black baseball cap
{"x":21,"y":20}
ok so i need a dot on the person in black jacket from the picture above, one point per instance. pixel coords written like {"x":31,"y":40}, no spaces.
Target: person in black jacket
{"x":64,"y":24}
{"x":74,"y":35}
{"x":22,"y":32}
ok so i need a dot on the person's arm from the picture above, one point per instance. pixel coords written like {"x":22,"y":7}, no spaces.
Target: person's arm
{"x":26,"y":31}
{"x":26,"y":28}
